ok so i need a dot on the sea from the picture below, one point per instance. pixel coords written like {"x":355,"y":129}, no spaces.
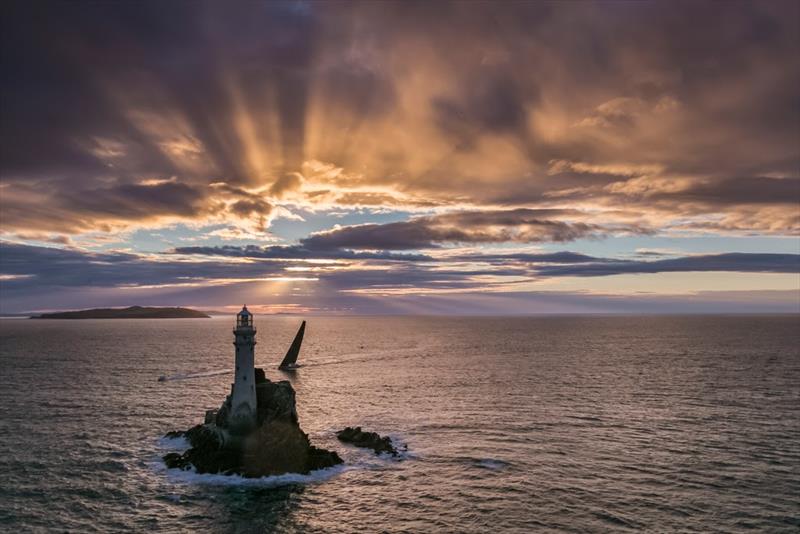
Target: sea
{"x":535,"y":424}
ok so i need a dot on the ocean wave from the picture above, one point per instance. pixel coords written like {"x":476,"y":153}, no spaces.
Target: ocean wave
{"x":490,"y":463}
{"x":396,"y":354}
{"x":192,"y":477}
{"x":401,"y":444}
{"x":173,"y":444}
{"x":189,"y":376}
{"x":362,"y":459}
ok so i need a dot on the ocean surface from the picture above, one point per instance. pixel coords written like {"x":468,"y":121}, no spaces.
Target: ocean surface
{"x":573,"y":424}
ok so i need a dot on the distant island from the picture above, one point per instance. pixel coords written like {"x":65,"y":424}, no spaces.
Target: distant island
{"x":133,"y":312}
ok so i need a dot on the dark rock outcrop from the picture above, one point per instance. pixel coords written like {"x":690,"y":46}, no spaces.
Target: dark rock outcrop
{"x":277,"y":445}
{"x":369,"y":440}
{"x":276,"y":402}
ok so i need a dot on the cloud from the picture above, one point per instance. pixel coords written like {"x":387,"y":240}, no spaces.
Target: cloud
{"x":495,"y":226}
{"x":297,"y":252}
{"x":35,"y":277}
{"x":492,"y":102}
{"x":286,"y":183}
{"x":731,"y":262}
{"x":542,"y":123}
{"x":111,"y":207}
{"x":532,"y":258}
{"x":658,"y":108}
{"x":556,"y":264}
{"x":743,"y":190}
{"x":47,"y":267}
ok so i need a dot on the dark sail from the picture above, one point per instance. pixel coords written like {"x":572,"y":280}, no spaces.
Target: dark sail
{"x":291,"y":355}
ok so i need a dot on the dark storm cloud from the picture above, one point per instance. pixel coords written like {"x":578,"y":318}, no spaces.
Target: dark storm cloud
{"x":513,"y":264}
{"x":40,"y":277}
{"x":37,"y":266}
{"x":297,"y":252}
{"x":247,"y":207}
{"x":732,"y":262}
{"x":59,"y":59}
{"x":81,"y":209}
{"x":45,"y":266}
{"x":36,"y":277}
{"x":51,"y":101}
{"x":294,"y":252}
{"x":491,"y":102}
{"x":533,"y":258}
{"x":746,"y":190}
{"x":284,"y":183}
{"x":520,"y":225}
{"x":445,"y":102}
{"x":137,"y":201}
{"x":115,"y":93}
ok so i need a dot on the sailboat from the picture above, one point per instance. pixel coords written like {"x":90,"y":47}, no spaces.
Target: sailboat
{"x":289,"y":362}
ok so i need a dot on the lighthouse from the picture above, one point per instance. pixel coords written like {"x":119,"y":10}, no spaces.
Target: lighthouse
{"x":243,"y":390}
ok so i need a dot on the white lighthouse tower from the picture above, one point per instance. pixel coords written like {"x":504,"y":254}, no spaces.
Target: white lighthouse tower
{"x":243,"y":390}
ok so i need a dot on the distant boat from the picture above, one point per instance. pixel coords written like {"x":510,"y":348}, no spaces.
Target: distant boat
{"x":289,"y":362}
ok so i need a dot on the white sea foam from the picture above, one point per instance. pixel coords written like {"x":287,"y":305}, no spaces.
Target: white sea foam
{"x":179,"y":476}
{"x":401,"y":444}
{"x":362,"y":460}
{"x":173,"y":444}
{"x":490,"y":463}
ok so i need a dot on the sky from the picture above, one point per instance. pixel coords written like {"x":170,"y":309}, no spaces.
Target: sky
{"x":401,"y":157}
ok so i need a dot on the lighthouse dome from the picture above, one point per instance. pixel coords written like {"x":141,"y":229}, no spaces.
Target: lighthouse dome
{"x":244,"y":317}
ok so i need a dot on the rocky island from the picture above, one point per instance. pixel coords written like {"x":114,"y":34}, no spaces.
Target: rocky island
{"x":274,"y":445}
{"x":133,"y":312}
{"x":368,"y":440}
{"x":255,"y":432}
